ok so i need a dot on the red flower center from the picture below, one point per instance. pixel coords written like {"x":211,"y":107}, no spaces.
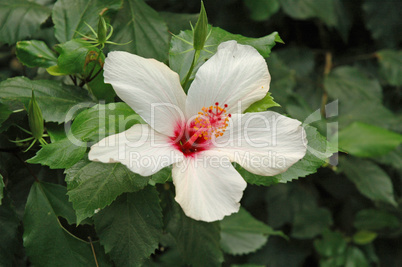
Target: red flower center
{"x":210,"y":123}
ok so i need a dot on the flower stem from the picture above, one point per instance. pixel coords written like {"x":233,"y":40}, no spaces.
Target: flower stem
{"x":190,"y":71}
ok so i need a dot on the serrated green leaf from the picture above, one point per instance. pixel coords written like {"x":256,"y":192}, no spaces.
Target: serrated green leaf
{"x":390,"y":66}
{"x":73,"y":56}
{"x":181,"y":48}
{"x":139,"y":24}
{"x":46,"y":242}
{"x":371,"y":219}
{"x":262,"y":9}
{"x":383,"y":21}
{"x":364,"y":237}
{"x":54,"y":98}
{"x":369,"y":178}
{"x":252,"y":178}
{"x":9,"y":233}
{"x":263,"y":104}
{"x":241,"y":233}
{"x":94,"y":185}
{"x":70,"y":16}
{"x":35,"y":53}
{"x":57,"y":197}
{"x":20,"y":19}
{"x":130,"y":228}
{"x":311,"y":222}
{"x":59,"y":155}
{"x":101,"y":121}
{"x":365,"y":140}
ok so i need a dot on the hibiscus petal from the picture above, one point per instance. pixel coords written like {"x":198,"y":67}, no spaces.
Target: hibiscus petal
{"x":264,"y":143}
{"x":149,"y":87}
{"x":237,"y":75}
{"x":207,"y":187}
{"x":140,"y":148}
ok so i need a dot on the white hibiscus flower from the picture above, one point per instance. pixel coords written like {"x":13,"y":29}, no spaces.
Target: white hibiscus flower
{"x":202,"y":132}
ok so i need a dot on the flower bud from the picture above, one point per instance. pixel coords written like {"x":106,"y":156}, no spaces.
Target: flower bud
{"x":201,"y":29}
{"x":102,"y":30}
{"x":35,"y":118}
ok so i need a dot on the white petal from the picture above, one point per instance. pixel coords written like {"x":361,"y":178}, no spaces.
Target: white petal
{"x":149,"y":87}
{"x":237,"y":75}
{"x":140,"y":148}
{"x":207,"y":187}
{"x":264,"y":143}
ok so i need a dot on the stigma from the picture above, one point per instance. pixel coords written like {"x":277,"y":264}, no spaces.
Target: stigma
{"x":211,"y":122}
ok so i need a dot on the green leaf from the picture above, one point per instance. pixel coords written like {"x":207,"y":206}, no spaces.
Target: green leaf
{"x":262,"y":9}
{"x":59,"y":155}
{"x":371,"y":219}
{"x":252,"y":178}
{"x":101,"y":121}
{"x":383,"y":20}
{"x":263,"y":104}
{"x":369,"y":178}
{"x":177,"y":22}
{"x":35,"y":54}
{"x":355,"y":258}
{"x":241,"y":233}
{"x":139,"y":24}
{"x":350,"y":86}
{"x":94,"y":185}
{"x":367,"y":112}
{"x":130,"y":228}
{"x":331,"y":244}
{"x":364,"y":237}
{"x":69,"y":16}
{"x":196,"y":242}
{"x":54,"y":98}
{"x":311,"y":222}
{"x":20,"y":19}
{"x":73,"y":56}
{"x":181,"y":48}
{"x":162,"y":176}
{"x":331,"y":12}
{"x":390,"y":66}
{"x":9,"y":233}
{"x":1,"y":188}
{"x":365,"y":140}
{"x":46,"y":242}
{"x":5,"y":112}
